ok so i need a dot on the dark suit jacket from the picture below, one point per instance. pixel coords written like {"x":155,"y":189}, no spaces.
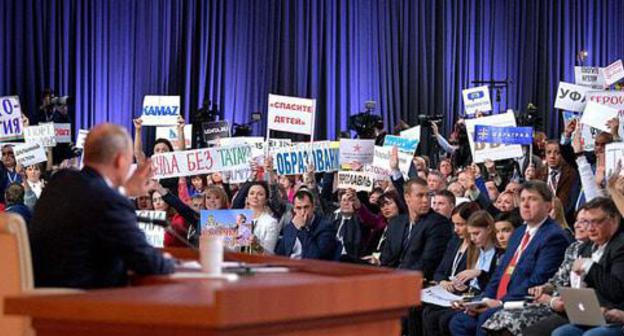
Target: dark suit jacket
{"x":84,"y":235}
{"x":537,"y":264}
{"x":607,"y":276}
{"x":318,"y":240}
{"x":427,"y":243}
{"x":568,"y":189}
{"x":351,"y":239}
{"x":445,"y":268}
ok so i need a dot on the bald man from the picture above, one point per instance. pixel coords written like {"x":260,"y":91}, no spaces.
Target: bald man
{"x":84,"y":232}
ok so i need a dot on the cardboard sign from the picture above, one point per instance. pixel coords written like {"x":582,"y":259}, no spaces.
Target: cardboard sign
{"x":82,"y":136}
{"x":11,"y":126}
{"x":402,"y":144}
{"x":171,"y":133}
{"x":571,"y":97}
{"x":237,"y":176}
{"x":382,"y":160}
{"x":160,"y":110}
{"x":234,"y":225}
{"x":62,"y":133}
{"x":614,"y":99}
{"x":200,"y":161}
{"x":589,"y":76}
{"x":376,"y":172}
{"x":359,"y":150}
{"x":256,"y":143}
{"x":613,"y":73}
{"x":42,"y":133}
{"x":359,"y":181}
{"x":477,"y":99}
{"x":294,"y":160}
{"x":412,"y":133}
{"x":29,"y":154}
{"x":597,"y":115}
{"x":614,"y":155}
{"x":483,"y":151}
{"x":155,"y":235}
{"x":291,"y":114}
{"x":215,"y":130}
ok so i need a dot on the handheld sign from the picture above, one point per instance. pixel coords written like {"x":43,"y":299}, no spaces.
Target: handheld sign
{"x":42,"y":133}
{"x":200,"y":161}
{"x":589,"y":76}
{"x":403,"y":144}
{"x":82,"y":136}
{"x":160,"y":110}
{"x":62,"y":132}
{"x":482,"y":151}
{"x":412,"y":133}
{"x":504,"y":135}
{"x":613,"y":73}
{"x":477,"y":99}
{"x":215,"y":130}
{"x":171,"y":133}
{"x":11,"y":126}
{"x":294,"y":160}
{"x":571,"y":97}
{"x":359,"y":150}
{"x":359,"y":181}
{"x":597,"y":115}
{"x":29,"y":154}
{"x":234,"y":225}
{"x":291,"y":114}
{"x":382,"y":160}
{"x":614,"y":155}
{"x":155,"y":235}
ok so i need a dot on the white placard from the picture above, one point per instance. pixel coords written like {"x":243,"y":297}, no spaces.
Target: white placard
{"x":29,"y":154}
{"x":412,"y":133}
{"x":11,"y":126}
{"x":358,"y":181}
{"x":291,"y":114}
{"x":201,"y":161}
{"x":613,"y":99}
{"x":82,"y":136}
{"x":256,"y":143}
{"x":571,"y":97}
{"x":483,"y":151}
{"x":160,"y":110}
{"x":477,"y":99}
{"x":613,"y":73}
{"x":62,"y":132}
{"x":171,"y":133}
{"x":596,"y":115}
{"x":382,"y":160}
{"x":359,"y":150}
{"x":155,"y":235}
{"x":589,"y":76}
{"x":614,"y":153}
{"x":42,"y":133}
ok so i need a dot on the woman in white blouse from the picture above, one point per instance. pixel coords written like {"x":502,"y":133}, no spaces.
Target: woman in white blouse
{"x":33,"y":179}
{"x":265,"y":227}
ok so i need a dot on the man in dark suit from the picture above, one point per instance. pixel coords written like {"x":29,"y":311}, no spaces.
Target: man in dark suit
{"x":600,"y":266}
{"x":84,"y":232}
{"x":308,"y":235}
{"x":535,"y":251}
{"x":562,"y":179}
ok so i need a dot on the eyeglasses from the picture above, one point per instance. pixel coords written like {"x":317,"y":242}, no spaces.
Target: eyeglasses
{"x":596,"y":222}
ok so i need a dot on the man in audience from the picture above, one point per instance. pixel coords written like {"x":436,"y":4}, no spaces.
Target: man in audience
{"x":436,"y":181}
{"x":535,"y":251}
{"x":14,"y":197}
{"x":84,"y":232}
{"x":601,"y":267}
{"x":562,"y":179}
{"x":443,"y":203}
{"x":308,"y":235}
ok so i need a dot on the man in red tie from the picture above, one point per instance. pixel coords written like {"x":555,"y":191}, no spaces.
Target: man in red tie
{"x":535,"y":252}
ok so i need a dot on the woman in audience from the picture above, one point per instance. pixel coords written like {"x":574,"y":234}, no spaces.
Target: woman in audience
{"x":558,"y":215}
{"x":144,"y":203}
{"x":215,"y":198}
{"x":446,"y":168}
{"x":505,"y":224}
{"x":266,"y":229}
{"x":512,"y":322}
{"x":454,"y":261}
{"x":390,"y":205}
{"x":33,"y":179}
{"x":177,"y":221}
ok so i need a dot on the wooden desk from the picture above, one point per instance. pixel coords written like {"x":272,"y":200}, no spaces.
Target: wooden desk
{"x":315,"y":298}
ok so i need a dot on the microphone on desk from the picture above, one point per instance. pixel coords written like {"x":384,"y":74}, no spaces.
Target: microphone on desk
{"x":167,"y":226}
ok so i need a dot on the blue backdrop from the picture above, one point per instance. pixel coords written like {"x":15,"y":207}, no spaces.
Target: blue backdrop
{"x":412,"y":57}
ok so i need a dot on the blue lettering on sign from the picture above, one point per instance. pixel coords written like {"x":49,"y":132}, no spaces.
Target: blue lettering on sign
{"x":160,"y":110}
{"x":475,"y":95}
{"x":292,"y":163}
{"x":7,"y":106}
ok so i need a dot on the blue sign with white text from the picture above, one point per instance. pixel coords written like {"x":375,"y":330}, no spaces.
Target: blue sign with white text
{"x":402,"y":144}
{"x":503,"y":135}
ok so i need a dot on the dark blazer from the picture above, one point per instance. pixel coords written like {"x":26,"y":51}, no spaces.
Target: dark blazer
{"x":427,"y":243}
{"x":318,"y":240}
{"x":84,"y":234}
{"x":485,"y":276}
{"x":607,"y":276}
{"x":21,"y":210}
{"x":537,"y":264}
{"x":445,"y":268}
{"x":568,"y":188}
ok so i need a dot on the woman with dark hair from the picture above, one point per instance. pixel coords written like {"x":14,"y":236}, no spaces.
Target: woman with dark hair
{"x":177,"y":221}
{"x":265,"y":227}
{"x":390,"y":205}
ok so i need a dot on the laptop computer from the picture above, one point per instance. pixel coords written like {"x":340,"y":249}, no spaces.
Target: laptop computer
{"x":582,"y":307}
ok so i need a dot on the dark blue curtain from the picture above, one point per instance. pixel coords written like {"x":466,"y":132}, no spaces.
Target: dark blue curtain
{"x":412,"y":57}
